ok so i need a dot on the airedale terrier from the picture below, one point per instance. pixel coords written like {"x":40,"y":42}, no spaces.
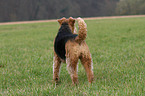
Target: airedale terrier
{"x":70,"y":47}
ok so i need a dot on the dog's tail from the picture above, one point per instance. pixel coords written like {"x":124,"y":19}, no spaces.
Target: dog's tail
{"x":82,"y":30}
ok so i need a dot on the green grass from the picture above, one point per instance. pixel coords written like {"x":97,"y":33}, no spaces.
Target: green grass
{"x":117,"y":47}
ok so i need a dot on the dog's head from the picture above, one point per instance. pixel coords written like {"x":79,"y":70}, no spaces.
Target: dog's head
{"x":70,"y":22}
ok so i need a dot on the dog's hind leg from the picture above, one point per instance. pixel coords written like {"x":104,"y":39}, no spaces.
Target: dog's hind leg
{"x":56,"y":67}
{"x":72,"y":68}
{"x":88,"y":65}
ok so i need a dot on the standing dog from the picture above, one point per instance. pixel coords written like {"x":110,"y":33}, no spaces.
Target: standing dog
{"x":71,"y":47}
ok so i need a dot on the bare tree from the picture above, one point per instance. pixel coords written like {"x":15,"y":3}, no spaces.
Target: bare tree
{"x":18,"y":10}
{"x":126,"y":7}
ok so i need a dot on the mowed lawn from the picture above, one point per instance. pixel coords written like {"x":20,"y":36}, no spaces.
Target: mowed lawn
{"x":117,"y":47}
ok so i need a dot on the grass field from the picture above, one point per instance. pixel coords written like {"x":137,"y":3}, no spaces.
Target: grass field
{"x":117,"y":47}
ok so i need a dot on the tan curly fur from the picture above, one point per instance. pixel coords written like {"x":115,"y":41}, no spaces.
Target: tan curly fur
{"x":75,"y":49}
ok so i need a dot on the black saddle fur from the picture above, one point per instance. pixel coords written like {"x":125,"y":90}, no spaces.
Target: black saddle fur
{"x":62,"y":37}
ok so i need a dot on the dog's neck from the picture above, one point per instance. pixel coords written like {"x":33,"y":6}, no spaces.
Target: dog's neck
{"x":65,"y":29}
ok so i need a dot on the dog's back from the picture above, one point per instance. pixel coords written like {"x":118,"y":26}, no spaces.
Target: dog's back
{"x":62,"y":37}
{"x":65,"y":34}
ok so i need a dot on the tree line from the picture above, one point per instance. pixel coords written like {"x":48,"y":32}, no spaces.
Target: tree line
{"x":20,"y":10}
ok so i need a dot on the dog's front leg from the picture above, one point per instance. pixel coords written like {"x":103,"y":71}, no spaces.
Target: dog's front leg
{"x":56,"y":67}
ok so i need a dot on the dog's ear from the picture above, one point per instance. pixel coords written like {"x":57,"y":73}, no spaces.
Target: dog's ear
{"x":60,"y":21}
{"x":71,"y":21}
